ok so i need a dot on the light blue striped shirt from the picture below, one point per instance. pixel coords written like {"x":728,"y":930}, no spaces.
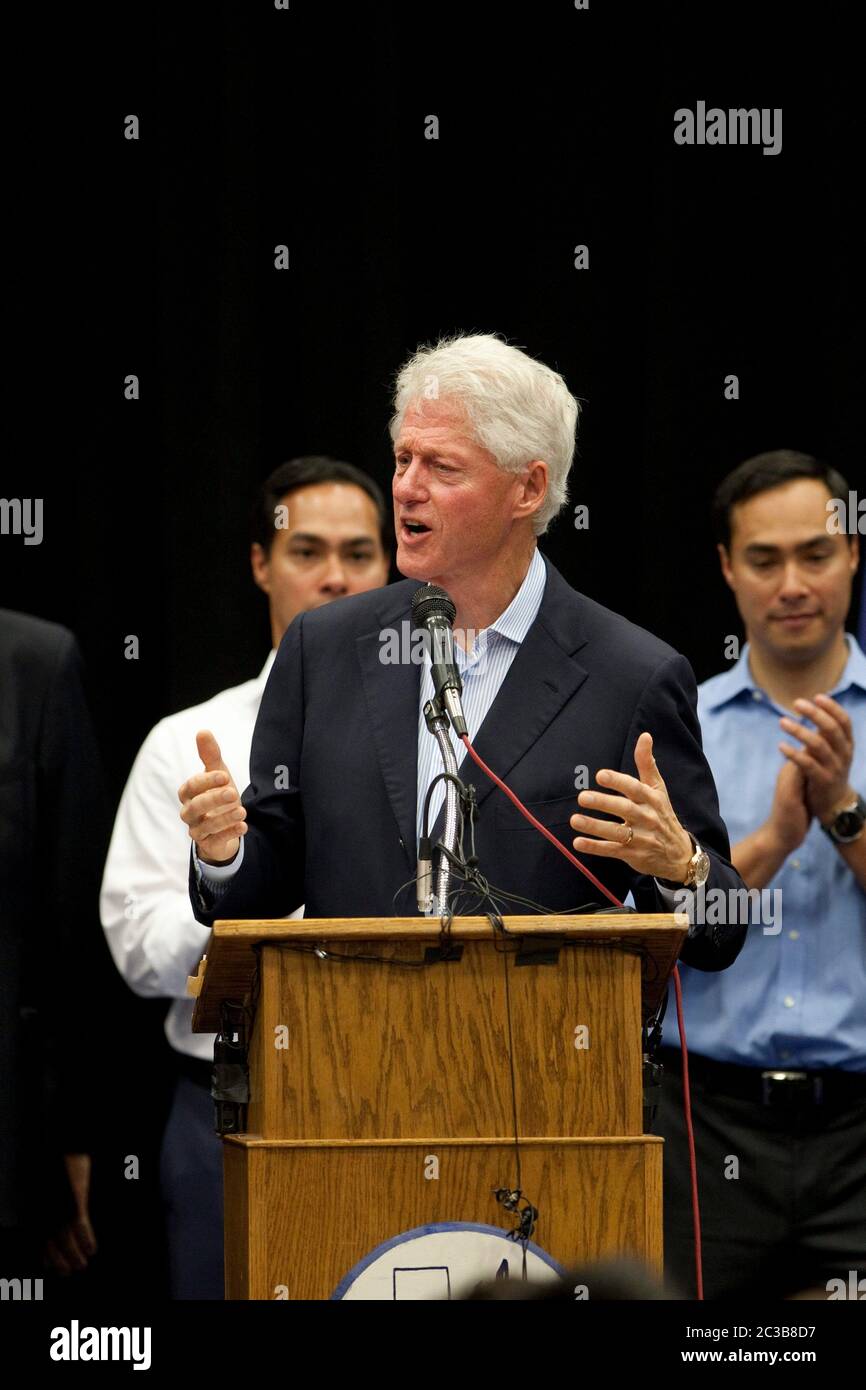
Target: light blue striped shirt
{"x":482,"y":670}
{"x":796,"y":996}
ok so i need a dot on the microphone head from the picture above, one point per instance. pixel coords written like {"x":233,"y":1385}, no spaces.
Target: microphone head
{"x":432,"y":602}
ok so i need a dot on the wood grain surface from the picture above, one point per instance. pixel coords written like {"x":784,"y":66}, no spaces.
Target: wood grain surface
{"x":314,"y":1211}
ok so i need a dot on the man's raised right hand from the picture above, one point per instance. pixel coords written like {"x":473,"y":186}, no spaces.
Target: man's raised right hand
{"x":788,"y":823}
{"x":211,"y":806}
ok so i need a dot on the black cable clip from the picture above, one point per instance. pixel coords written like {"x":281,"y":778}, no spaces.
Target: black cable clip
{"x":230,"y":1085}
{"x":525,"y":1214}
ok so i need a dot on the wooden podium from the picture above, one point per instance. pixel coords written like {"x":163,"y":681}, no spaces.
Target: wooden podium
{"x":399,"y":1077}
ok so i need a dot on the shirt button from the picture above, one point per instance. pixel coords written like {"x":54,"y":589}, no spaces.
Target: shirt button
{"x":756,"y":695}
{"x":789,"y":1001}
{"x":795,"y":863}
{"x":794,"y":935}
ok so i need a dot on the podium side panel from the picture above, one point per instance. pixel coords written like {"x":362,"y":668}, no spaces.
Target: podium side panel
{"x":317,"y":1212}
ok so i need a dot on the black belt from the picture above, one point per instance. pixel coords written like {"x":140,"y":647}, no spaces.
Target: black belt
{"x":772,"y":1086}
{"x":194,"y":1068}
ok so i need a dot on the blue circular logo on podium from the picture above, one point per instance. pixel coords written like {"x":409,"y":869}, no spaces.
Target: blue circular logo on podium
{"x":443,"y":1261}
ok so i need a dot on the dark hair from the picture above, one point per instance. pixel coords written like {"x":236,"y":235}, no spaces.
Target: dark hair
{"x":766,"y":471}
{"x":309,"y":472}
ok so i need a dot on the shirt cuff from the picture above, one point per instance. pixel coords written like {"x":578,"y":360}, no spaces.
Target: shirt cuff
{"x":217,"y":876}
{"x":670,"y":895}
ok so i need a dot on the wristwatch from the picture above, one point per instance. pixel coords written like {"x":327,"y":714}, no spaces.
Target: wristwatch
{"x":847,"y":824}
{"x":697,"y":869}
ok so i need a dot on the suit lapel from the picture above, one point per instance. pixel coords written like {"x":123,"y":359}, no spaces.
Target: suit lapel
{"x":541,"y":679}
{"x":391,"y":691}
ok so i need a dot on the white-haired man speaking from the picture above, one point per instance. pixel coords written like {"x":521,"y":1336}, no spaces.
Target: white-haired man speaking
{"x":342,"y":758}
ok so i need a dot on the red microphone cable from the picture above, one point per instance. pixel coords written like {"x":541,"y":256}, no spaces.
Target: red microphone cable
{"x":687,"y":1104}
{"x":532,"y":821}
{"x":690,"y":1136}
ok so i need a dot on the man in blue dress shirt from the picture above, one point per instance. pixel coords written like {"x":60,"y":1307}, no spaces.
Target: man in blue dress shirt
{"x":777,"y":1044}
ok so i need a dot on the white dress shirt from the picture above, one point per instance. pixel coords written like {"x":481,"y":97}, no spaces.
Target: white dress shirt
{"x":146,"y":914}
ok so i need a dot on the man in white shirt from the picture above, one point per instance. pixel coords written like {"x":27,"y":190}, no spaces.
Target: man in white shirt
{"x":319,"y":532}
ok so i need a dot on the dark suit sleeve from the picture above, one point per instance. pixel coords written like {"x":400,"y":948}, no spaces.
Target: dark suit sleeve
{"x":668,"y":711}
{"x":270,"y":881}
{"x":71,"y":837}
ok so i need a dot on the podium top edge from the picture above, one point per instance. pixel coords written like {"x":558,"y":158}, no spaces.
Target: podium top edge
{"x":466,"y":928}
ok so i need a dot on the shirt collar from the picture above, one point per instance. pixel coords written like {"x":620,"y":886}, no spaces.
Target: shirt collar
{"x":855,"y":667}
{"x":732,"y":683}
{"x":522,"y":611}
{"x":516,"y":620}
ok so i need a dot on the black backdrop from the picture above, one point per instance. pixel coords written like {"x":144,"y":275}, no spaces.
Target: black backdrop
{"x":306,"y":127}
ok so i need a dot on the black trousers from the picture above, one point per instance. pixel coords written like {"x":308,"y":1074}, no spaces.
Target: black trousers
{"x":191,"y":1179}
{"x":782,"y":1191}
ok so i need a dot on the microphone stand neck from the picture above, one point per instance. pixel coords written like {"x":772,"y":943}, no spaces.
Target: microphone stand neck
{"x":437,"y":723}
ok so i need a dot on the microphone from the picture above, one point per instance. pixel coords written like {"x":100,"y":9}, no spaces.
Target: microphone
{"x":433,"y":610}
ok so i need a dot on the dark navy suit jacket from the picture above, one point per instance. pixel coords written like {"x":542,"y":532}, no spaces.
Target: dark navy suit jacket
{"x":53,"y":836}
{"x":336,"y":829}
